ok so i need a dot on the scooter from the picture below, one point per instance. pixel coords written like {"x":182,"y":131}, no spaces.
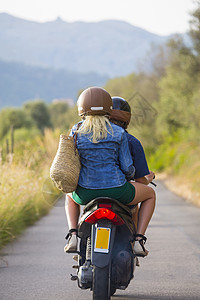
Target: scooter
{"x":106,"y":260}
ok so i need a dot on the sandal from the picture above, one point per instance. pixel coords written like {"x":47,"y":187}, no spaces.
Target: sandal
{"x":138,"y":247}
{"x":72,"y":242}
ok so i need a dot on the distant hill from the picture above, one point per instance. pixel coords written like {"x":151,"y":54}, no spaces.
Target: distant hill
{"x":19,"y":83}
{"x":56,"y":59}
{"x":112,"y":48}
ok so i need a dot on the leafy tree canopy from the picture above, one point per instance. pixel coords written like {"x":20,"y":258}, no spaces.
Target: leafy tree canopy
{"x":38,"y":111}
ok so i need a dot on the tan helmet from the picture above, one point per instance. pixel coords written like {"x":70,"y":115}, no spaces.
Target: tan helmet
{"x":94,"y":101}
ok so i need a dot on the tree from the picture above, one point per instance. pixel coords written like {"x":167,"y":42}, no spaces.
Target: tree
{"x":141,"y":92}
{"x":195,"y":29}
{"x":13,"y":117}
{"x":180,"y":103}
{"x":58,"y":111}
{"x":39,"y":113}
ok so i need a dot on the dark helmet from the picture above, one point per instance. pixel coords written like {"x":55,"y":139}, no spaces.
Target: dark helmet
{"x":121,"y":111}
{"x":94,"y":101}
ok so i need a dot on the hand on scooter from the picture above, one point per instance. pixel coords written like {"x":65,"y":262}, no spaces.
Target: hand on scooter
{"x":150,"y":177}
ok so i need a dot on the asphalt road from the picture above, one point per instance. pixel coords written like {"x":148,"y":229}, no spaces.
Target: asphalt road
{"x":35,"y":266}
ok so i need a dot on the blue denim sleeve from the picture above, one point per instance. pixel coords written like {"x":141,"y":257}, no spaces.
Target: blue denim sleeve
{"x":71,"y":132}
{"x":73,"y":129}
{"x":125,"y":158}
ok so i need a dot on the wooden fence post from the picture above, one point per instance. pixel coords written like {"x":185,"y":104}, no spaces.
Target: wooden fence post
{"x":7,"y":147}
{"x":12,"y":139}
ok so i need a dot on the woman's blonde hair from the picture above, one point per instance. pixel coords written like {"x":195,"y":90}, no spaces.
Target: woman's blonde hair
{"x":98,"y":126}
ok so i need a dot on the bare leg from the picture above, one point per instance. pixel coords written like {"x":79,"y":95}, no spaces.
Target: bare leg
{"x":147,"y":197}
{"x":72,"y":212}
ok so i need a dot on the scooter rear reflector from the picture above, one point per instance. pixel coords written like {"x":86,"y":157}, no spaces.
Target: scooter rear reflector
{"x":104,"y":213}
{"x":102,"y":240}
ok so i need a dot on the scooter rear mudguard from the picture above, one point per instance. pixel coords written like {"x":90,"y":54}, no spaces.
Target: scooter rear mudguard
{"x":103,"y":236}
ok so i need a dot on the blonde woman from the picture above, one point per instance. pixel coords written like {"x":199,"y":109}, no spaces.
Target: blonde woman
{"x":107,"y":166}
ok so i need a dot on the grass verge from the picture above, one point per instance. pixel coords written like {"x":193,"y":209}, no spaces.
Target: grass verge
{"x":180,"y":162}
{"x":22,"y":197}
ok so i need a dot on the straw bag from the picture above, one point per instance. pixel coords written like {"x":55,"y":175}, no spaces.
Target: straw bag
{"x":66,"y":165}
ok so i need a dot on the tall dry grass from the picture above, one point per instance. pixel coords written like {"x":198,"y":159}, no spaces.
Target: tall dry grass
{"x":26,"y":191}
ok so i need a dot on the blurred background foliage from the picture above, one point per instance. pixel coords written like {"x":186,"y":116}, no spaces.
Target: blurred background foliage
{"x":165,"y":105}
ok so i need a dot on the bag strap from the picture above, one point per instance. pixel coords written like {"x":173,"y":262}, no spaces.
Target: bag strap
{"x":75,"y":135}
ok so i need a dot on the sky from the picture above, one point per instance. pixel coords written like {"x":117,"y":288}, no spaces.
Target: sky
{"x":162,"y":17}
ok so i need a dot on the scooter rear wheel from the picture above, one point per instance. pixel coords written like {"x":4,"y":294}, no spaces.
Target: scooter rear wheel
{"x":101,"y":284}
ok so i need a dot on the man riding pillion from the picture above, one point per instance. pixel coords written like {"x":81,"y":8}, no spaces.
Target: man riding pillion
{"x":107,"y":167}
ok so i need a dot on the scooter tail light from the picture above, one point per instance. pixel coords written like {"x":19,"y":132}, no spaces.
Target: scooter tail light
{"x":104,"y":213}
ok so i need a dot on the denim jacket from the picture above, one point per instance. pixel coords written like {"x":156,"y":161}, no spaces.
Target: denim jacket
{"x":105,"y":164}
